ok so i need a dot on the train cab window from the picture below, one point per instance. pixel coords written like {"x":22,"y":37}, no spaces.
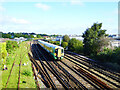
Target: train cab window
{"x":56,"y":50}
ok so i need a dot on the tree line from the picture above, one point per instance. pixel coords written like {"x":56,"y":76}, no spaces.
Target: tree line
{"x":96,"y":45}
{"x":12,"y":35}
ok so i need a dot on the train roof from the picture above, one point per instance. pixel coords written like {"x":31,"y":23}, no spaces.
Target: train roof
{"x":49,"y":44}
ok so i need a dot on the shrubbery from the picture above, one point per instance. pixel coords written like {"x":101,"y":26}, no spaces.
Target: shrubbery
{"x":3,"y":52}
{"x":66,"y":38}
{"x":27,"y":73}
{"x":109,"y":55}
{"x":75,"y":45}
{"x":64,"y":44}
{"x":55,"y":42}
{"x":11,"y":45}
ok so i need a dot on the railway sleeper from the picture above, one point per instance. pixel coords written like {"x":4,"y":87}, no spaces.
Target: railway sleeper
{"x":95,"y":73}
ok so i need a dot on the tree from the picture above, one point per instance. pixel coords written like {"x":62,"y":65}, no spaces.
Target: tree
{"x":26,"y":36}
{"x":75,"y":45}
{"x":66,"y":38}
{"x":92,"y":39}
{"x":17,"y":35}
{"x":6,"y":35}
{"x":31,"y":36}
{"x":38,"y":36}
{"x":64,"y":44}
{"x":56,"y":43}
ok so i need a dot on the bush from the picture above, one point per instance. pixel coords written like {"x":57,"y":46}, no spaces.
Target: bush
{"x":3,"y":50}
{"x":64,"y":44}
{"x":11,"y":45}
{"x":9,"y":60}
{"x":66,"y":38}
{"x":75,"y":45}
{"x":3,"y":53}
{"x":51,"y":41}
{"x":55,"y":42}
{"x":109,"y":55}
{"x":27,"y":73}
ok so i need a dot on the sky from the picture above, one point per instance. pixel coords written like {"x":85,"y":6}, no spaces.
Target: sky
{"x":68,"y":17}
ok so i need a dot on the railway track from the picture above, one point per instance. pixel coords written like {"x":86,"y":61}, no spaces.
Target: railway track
{"x":59,"y":74}
{"x":10,"y":72}
{"x":21,"y":58}
{"x":66,"y":79}
{"x":95,"y":64}
{"x":56,"y":73}
{"x":34,"y":73}
{"x":16,"y":56}
{"x":43,"y":72}
{"x":89,"y":67}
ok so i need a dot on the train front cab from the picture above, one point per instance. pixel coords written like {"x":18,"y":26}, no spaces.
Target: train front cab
{"x":59,"y":53}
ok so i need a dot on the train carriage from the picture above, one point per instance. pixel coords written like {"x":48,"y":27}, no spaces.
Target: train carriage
{"x":56,"y":51}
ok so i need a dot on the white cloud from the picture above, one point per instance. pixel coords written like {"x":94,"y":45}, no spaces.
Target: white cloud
{"x":19,"y":21}
{"x":6,"y":20}
{"x":76,"y":2}
{"x":42,"y":6}
{"x":1,"y":8}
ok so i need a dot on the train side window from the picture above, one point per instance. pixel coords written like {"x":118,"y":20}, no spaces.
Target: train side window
{"x":62,"y":51}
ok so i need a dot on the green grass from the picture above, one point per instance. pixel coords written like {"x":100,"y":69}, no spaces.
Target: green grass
{"x":13,"y":81}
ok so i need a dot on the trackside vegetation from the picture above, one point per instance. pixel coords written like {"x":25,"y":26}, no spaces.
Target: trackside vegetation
{"x":95,"y":45}
{"x":11,"y":46}
{"x":75,"y":45}
{"x":3,"y":55}
{"x":3,"y":52}
{"x":26,"y":75}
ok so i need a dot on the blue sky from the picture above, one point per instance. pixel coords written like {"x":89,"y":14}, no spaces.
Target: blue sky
{"x":57,"y":17}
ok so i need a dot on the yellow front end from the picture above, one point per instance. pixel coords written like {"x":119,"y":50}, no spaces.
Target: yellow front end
{"x":59,"y":52}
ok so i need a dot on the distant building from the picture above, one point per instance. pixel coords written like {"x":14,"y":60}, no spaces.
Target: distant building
{"x":35,"y":35}
{"x":115,"y":36}
{"x":115,"y":43}
{"x":46,"y":37}
{"x":19,"y":39}
{"x":79,"y":37}
{"x":58,"y":38}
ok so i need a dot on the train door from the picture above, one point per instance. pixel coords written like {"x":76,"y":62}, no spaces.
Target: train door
{"x":59,"y":52}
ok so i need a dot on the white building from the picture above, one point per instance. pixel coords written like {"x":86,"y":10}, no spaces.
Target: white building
{"x":115,"y":43}
{"x":79,"y":37}
{"x":35,"y":35}
{"x":19,"y":39}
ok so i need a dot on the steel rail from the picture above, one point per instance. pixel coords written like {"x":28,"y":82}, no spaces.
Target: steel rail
{"x":45,"y":71}
{"x":86,"y":79}
{"x":80,"y":85}
{"x":36,"y":81}
{"x":99,"y":66}
{"x":99,"y":70}
{"x":90,"y":71}
{"x":39,"y":70}
{"x":63,"y":82}
{"x":93,"y":78}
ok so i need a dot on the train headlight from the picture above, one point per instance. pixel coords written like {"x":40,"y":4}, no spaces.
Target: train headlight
{"x":55,"y":54}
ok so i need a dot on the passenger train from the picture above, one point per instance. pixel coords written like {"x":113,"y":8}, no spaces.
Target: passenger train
{"x":57,"y":52}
